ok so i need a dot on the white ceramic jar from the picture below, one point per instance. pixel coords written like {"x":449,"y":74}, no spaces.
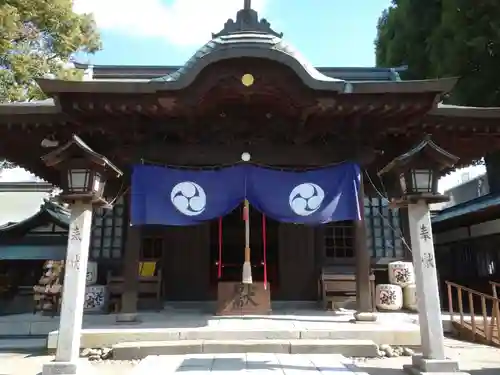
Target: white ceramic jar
{"x":389,"y":297}
{"x":95,"y":298}
{"x":410,"y":297}
{"x":401,"y":273}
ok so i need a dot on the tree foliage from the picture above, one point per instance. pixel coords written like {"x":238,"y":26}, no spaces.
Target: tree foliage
{"x":445,"y":38}
{"x":38,"y":38}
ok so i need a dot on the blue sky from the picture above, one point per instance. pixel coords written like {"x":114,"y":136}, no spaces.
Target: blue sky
{"x":168,"y":32}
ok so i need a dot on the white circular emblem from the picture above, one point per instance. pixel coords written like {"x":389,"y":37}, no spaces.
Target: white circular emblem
{"x":305,"y":199}
{"x":189,"y":198}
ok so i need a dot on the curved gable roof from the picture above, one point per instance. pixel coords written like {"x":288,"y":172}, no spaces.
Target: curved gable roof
{"x":49,"y":212}
{"x":250,"y":37}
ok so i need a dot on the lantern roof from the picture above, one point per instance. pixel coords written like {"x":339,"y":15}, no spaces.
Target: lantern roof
{"x":76,"y":147}
{"x":427,"y":148}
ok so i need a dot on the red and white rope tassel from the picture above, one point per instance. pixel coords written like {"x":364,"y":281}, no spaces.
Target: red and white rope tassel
{"x":264,"y":248}
{"x":219,"y":263}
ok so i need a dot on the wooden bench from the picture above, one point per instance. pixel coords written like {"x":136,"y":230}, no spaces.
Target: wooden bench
{"x":340,"y":282}
{"x":149,"y":288}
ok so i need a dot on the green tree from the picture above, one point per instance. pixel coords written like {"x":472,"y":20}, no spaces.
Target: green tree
{"x":443,"y":38}
{"x":38,"y":38}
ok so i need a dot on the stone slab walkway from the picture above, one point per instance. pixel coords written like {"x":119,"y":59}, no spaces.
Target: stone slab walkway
{"x":249,"y":363}
{"x":280,"y":320}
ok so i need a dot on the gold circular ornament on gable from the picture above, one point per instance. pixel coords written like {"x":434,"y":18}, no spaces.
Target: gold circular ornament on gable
{"x":247,"y":80}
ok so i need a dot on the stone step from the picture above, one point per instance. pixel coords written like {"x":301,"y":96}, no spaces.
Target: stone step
{"x":348,"y":348}
{"x":399,"y":335}
{"x":22,"y":344}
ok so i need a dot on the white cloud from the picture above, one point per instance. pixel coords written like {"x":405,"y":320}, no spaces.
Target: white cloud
{"x":184,"y":22}
{"x":17,"y":175}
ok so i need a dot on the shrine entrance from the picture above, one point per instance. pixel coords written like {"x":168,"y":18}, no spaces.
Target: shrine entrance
{"x":227,"y":245}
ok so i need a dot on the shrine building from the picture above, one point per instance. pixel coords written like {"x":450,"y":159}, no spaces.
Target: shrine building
{"x":245,"y":99}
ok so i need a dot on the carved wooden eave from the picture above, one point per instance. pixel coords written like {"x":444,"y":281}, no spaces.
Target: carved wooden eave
{"x":25,"y":108}
{"x":21,"y":120}
{"x":219,"y":88}
{"x":54,"y":87}
{"x":455,"y":111}
{"x":470,"y":120}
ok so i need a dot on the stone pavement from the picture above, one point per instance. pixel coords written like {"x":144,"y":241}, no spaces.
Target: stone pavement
{"x":476,"y":359}
{"x":281,"y":320}
{"x":473,"y":358}
{"x":249,"y":363}
{"x":12,"y":363}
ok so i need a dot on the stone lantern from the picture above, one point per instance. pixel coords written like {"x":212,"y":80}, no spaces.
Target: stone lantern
{"x":418,"y":171}
{"x":84,"y":174}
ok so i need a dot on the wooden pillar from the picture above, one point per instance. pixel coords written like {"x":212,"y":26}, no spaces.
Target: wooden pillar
{"x":492,"y":161}
{"x":364,"y":311}
{"x":405,"y":232}
{"x":131,"y":259}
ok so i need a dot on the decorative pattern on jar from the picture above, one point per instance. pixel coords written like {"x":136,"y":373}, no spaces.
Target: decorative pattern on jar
{"x":95,"y":298}
{"x":401,"y":273}
{"x":389,"y":297}
{"x":91,"y":273}
{"x":410,"y":297}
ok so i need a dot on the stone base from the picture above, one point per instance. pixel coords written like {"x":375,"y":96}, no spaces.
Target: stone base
{"x":127,"y":318}
{"x":422,"y":366}
{"x":412,"y":370}
{"x":364,"y":317}
{"x":67,"y":368}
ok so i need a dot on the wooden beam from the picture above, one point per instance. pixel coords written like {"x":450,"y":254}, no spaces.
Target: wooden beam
{"x":278,"y":155}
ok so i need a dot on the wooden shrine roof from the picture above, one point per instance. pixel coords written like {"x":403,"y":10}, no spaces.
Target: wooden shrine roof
{"x":293,"y":114}
{"x":147,"y":72}
{"x":49,"y":213}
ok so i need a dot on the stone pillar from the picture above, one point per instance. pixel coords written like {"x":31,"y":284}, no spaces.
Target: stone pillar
{"x":73,"y":295}
{"x":429,"y":308}
{"x":364,"y":309}
{"x":131,"y":260}
{"x":492,"y":161}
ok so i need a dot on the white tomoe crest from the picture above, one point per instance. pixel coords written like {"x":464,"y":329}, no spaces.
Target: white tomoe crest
{"x":189,"y":198}
{"x":305,"y":199}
